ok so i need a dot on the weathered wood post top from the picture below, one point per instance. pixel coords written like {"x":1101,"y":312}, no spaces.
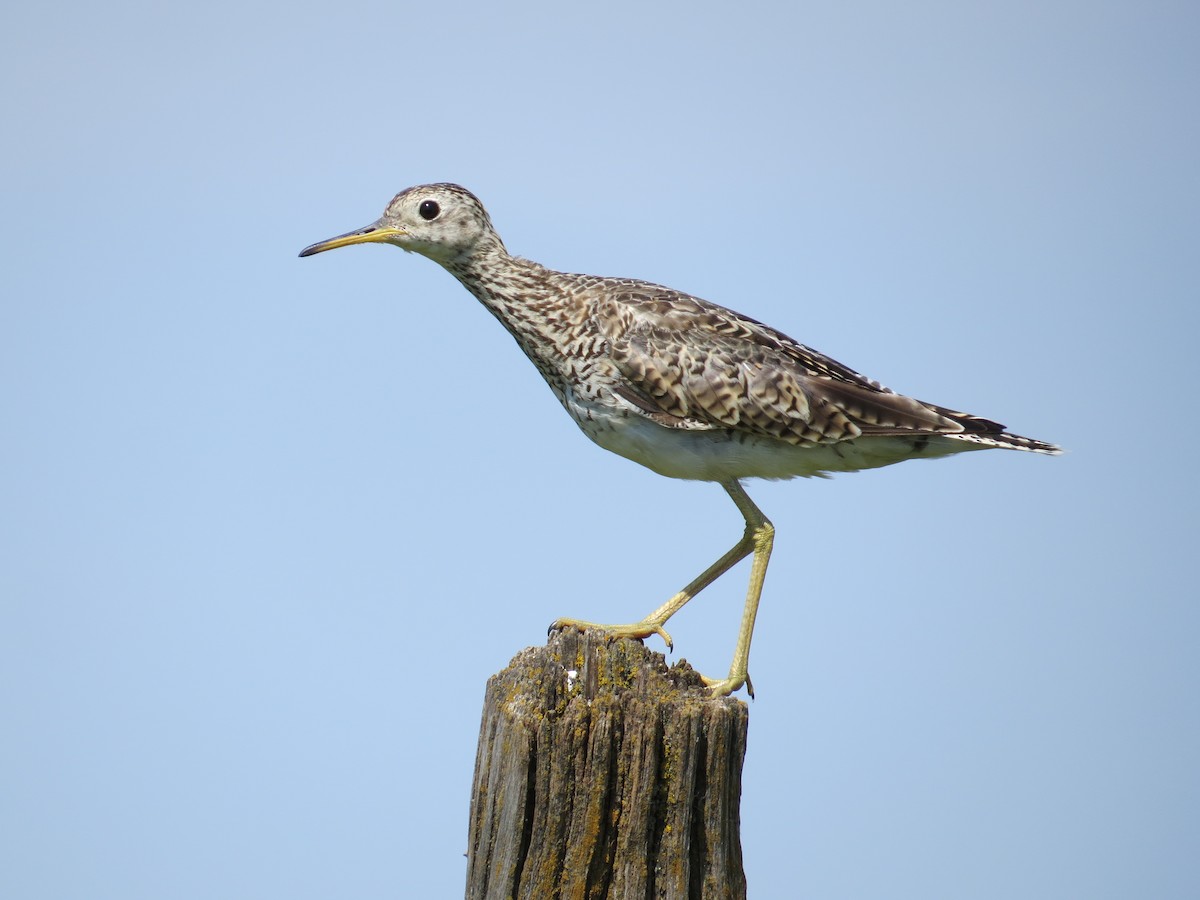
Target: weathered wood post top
{"x":601,"y":773}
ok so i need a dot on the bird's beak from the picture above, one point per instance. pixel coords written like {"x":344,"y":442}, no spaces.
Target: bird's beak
{"x":372,"y":234}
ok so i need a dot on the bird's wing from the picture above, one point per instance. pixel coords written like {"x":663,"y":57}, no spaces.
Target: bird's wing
{"x":690,"y":364}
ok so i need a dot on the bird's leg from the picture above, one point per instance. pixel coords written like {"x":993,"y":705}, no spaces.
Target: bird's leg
{"x":757,"y":539}
{"x":653,"y":623}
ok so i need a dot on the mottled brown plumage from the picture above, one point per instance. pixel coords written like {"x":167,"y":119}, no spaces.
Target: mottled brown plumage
{"x":683,"y":386}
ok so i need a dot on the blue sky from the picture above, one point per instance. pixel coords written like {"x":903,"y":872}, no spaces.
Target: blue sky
{"x":260,"y":515}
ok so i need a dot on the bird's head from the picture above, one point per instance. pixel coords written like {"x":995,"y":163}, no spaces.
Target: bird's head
{"x":445,"y":222}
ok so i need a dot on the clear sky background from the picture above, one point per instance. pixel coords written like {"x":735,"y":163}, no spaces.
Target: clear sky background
{"x":268,"y":524}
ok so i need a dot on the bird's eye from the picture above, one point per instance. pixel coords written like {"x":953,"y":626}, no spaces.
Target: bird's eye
{"x":428,"y":210}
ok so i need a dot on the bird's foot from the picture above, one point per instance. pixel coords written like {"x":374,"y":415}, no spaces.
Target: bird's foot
{"x":635,"y":630}
{"x":723,"y":687}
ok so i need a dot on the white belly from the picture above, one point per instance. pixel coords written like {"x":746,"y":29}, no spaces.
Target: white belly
{"x":722,"y":455}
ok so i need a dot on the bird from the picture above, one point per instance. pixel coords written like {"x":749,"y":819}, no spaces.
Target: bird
{"x":685,"y":387}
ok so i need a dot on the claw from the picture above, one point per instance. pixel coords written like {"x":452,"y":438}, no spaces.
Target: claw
{"x":662,"y":633}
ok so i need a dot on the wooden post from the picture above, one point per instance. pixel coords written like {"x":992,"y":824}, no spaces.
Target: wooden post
{"x":601,"y":773}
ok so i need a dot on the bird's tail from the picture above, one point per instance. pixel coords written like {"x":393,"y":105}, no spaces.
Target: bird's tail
{"x":1008,"y":441}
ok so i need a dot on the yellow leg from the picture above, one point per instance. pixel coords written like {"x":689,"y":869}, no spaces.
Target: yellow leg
{"x":757,"y":539}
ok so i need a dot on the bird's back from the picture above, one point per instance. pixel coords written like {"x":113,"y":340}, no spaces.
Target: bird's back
{"x":690,"y":365}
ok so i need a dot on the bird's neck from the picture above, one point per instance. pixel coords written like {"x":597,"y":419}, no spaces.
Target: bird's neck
{"x":525,"y":297}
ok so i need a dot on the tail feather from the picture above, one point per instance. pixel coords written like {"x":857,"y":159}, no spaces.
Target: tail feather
{"x":1007,"y":441}
{"x":987,"y":433}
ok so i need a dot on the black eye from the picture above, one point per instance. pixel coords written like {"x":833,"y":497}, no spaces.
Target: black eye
{"x":428,"y":210}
